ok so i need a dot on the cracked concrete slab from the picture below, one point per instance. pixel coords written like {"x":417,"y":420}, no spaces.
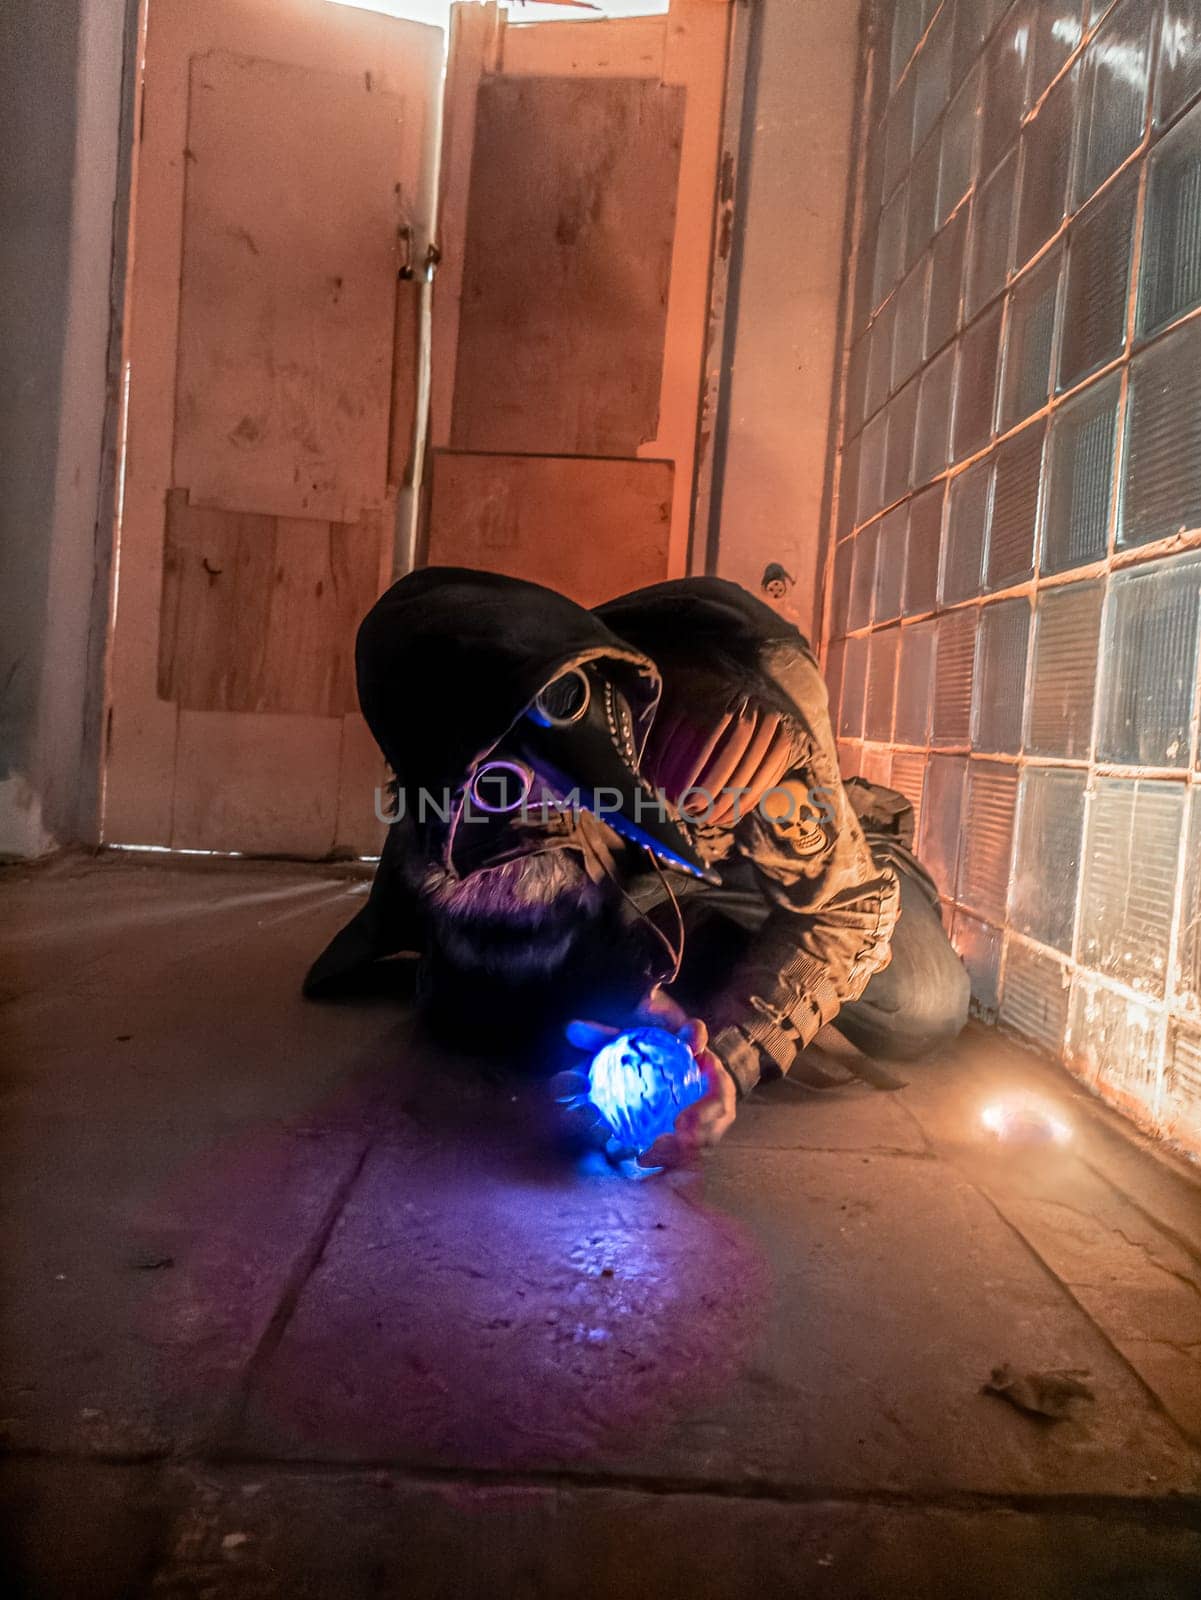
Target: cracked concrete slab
{"x":1137,"y":1275}
{"x":823,"y":1320}
{"x":896,"y":1290}
{"x":126,"y":1325}
{"x":296,"y":1302}
{"x":140,"y":1267}
{"x":257,"y":1533}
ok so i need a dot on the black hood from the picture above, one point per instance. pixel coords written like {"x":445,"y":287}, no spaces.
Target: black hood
{"x":704,"y":617}
{"x":711,"y":630}
{"x":448,"y":659}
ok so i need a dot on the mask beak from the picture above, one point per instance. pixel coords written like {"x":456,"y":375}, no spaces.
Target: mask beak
{"x":607,"y":788}
{"x":589,"y":756}
{"x":637,"y":813}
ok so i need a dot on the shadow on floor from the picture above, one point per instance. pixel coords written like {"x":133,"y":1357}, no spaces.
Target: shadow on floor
{"x":297,"y":1303}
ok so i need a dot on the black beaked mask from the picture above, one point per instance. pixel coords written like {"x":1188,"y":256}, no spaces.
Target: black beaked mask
{"x":575,"y":748}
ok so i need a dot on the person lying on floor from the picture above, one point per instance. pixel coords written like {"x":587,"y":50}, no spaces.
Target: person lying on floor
{"x":636,"y":813}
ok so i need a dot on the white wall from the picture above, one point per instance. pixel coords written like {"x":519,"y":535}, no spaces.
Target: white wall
{"x":60,"y":96}
{"x":775,"y":433}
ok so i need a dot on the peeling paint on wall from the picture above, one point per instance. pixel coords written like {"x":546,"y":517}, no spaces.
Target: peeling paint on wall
{"x":23,"y":834}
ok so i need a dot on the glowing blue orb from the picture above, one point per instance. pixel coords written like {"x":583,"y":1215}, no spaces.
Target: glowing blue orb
{"x":640,"y":1082}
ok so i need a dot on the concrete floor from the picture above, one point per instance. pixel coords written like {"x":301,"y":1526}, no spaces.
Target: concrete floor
{"x":294,"y":1307}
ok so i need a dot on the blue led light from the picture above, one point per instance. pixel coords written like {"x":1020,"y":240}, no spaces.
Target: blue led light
{"x":640,"y":1082}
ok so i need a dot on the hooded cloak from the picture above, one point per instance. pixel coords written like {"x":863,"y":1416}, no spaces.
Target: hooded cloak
{"x":449,"y":659}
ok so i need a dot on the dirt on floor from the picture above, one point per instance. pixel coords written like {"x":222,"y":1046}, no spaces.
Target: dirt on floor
{"x":294,"y":1303}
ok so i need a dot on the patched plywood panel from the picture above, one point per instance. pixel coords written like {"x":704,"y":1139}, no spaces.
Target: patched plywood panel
{"x":589,"y":528}
{"x":238,"y":784}
{"x":288,"y":289}
{"x":571,"y":219}
{"x":260,"y":613}
{"x":376,"y":55}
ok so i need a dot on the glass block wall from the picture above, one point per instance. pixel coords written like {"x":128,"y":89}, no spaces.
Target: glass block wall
{"x":1013,"y":590}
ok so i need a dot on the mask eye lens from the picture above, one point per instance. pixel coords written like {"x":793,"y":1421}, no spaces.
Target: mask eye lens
{"x":501,"y":786}
{"x":564,"y":700}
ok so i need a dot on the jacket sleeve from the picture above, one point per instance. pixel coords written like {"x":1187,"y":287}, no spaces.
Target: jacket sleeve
{"x":833,"y":907}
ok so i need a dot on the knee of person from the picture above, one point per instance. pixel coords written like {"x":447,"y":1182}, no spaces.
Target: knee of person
{"x":931,"y":1014}
{"x":941,"y":1010}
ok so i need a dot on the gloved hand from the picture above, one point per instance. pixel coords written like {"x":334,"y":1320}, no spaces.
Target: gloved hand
{"x":698,"y":1125}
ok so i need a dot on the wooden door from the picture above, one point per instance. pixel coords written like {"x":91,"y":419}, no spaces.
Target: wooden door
{"x":579,"y":185}
{"x":281,"y":208}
